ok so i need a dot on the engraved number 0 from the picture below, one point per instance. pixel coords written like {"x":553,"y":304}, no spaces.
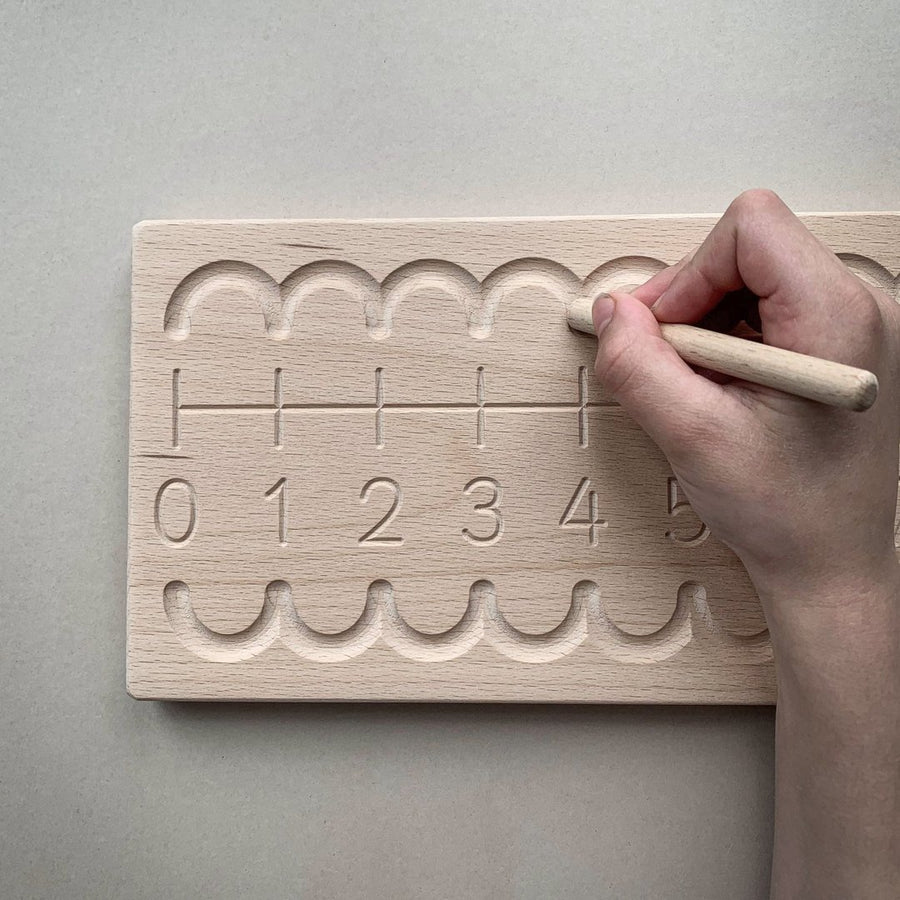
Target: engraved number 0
{"x":491,"y":507}
{"x":185,"y":487}
{"x":593,"y":520}
{"x":373,"y":535}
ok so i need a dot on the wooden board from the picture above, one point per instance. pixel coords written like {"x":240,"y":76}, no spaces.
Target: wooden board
{"x":369,"y":460}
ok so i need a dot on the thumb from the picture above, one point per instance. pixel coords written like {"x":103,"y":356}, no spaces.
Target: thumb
{"x":670,"y":401}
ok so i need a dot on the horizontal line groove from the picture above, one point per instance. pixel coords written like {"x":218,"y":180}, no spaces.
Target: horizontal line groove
{"x":372,"y":407}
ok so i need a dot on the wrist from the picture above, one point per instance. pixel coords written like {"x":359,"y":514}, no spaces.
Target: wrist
{"x":837,"y":636}
{"x":791,"y":595}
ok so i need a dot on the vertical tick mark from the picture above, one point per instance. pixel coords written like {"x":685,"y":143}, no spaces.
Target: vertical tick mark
{"x":479,"y":397}
{"x":582,"y":407}
{"x":176,"y":409}
{"x":379,"y":408}
{"x":594,"y":518}
{"x":279,"y":410}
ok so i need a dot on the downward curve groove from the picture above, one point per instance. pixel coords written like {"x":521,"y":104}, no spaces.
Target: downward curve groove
{"x":378,"y":302}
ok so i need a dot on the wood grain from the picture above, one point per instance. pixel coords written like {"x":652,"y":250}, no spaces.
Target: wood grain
{"x":369,"y":460}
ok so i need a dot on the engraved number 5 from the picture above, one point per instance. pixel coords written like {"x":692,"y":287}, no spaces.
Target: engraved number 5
{"x":491,"y":507}
{"x":676,"y":506}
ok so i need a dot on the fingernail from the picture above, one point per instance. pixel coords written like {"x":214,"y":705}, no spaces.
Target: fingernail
{"x":604,"y":307}
{"x":659,"y":300}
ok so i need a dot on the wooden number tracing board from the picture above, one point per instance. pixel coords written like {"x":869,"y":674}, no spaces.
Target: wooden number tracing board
{"x":370,"y":461}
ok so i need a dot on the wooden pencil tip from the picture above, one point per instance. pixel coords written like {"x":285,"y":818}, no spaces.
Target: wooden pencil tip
{"x":867,"y":393}
{"x":580,"y":315}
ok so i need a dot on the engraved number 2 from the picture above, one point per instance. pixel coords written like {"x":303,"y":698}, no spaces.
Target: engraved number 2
{"x":374,"y":535}
{"x":676,"y":506}
{"x":593,"y":521}
{"x":490,"y":507}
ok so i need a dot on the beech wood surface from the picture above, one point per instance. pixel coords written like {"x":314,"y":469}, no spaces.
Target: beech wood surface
{"x":369,"y":461}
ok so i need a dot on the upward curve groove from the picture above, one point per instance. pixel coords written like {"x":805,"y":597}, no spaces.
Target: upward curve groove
{"x":585,"y":623}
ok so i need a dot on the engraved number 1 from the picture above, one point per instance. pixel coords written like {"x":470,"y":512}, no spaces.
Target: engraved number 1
{"x":279,"y":489}
{"x":593,"y":521}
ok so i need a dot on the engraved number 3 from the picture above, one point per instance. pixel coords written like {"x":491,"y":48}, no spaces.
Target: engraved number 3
{"x":374,"y":535}
{"x":491,"y":507}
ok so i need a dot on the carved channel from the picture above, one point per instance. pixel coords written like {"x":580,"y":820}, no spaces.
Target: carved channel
{"x":378,"y":302}
{"x":584,"y":624}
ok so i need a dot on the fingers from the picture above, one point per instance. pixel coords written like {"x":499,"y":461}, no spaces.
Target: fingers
{"x":650,"y":290}
{"x":809,"y":301}
{"x":734,"y":308}
{"x":758,"y":244}
{"x":651,"y":381}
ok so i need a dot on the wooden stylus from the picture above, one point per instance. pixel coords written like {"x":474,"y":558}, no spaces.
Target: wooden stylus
{"x":794,"y":373}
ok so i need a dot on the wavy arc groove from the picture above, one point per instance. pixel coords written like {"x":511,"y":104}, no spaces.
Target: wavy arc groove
{"x":556,"y":643}
{"x":413,"y":644}
{"x":378,"y":302}
{"x":585,"y":623}
{"x":872,"y":273}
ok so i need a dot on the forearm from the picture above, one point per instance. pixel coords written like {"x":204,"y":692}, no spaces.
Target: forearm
{"x":837,"y":806}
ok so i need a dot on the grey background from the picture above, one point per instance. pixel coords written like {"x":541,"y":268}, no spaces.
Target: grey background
{"x":117,"y":112}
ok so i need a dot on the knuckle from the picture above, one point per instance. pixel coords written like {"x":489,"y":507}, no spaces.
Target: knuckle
{"x":756,"y":202}
{"x":869,"y":328}
{"x":892,"y":318}
{"x":867,"y":315}
{"x":871,"y":320}
{"x":891,"y":308}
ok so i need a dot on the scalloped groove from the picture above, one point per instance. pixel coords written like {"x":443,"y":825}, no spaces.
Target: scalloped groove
{"x":378,"y":303}
{"x":585,"y":622}
{"x":872,"y":273}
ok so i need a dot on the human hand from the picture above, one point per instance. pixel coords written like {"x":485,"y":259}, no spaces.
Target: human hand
{"x":803,"y":493}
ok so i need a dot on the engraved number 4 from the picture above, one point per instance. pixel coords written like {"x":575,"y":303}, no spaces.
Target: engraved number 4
{"x":584,"y":494}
